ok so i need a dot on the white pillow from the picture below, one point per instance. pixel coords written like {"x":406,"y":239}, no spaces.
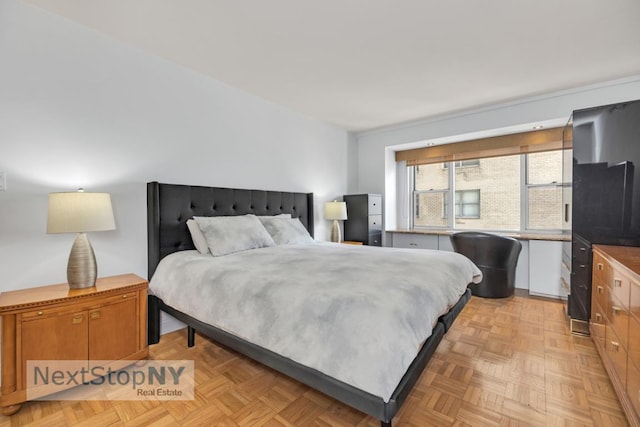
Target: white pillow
{"x":275,"y":216}
{"x":198,"y":238}
{"x":229,"y":234}
{"x":286,"y":231}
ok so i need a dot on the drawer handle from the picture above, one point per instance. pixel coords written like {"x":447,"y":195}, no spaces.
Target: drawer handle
{"x":617,"y":283}
{"x":124,"y":296}
{"x":600,"y":266}
{"x":600,"y":289}
{"x":77,"y":319}
{"x":598,"y":317}
{"x":615,"y":345}
{"x":95,"y":315}
{"x":616,"y":310}
{"x":40,"y":313}
{"x":583,"y":249}
{"x":413,"y":244}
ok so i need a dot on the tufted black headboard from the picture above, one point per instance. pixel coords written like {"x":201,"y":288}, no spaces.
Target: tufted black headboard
{"x":169,"y":206}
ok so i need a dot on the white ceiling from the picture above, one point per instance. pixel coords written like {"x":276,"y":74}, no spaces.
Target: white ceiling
{"x":364,"y":64}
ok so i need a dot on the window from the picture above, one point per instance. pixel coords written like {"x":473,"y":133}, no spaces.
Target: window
{"x":467,"y":204}
{"x":544,"y":190}
{"x":510,"y":193}
{"x":430,"y":197}
{"x":464,"y":163}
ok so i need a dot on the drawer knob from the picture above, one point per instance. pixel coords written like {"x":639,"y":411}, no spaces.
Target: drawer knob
{"x":617,"y":283}
{"x":598,"y":317}
{"x":40,"y":313}
{"x":615,"y":345}
{"x":77,"y":319}
{"x":600,"y":266}
{"x":600,"y":289}
{"x":95,"y":315}
{"x":616,"y":310}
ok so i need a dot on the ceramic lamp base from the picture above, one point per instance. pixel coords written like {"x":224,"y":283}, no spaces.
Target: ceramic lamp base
{"x":81,"y":268}
{"x":336,"y":236}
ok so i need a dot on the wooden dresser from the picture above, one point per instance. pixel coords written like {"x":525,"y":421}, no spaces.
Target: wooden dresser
{"x":104,"y":322}
{"x":615,"y":321}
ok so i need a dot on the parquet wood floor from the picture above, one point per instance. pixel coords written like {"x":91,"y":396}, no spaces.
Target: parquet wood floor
{"x":507,"y":362}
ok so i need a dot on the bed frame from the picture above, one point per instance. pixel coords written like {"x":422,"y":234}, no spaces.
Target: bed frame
{"x":168,"y":208}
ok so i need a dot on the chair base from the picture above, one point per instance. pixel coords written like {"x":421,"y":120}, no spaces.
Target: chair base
{"x":485,"y":291}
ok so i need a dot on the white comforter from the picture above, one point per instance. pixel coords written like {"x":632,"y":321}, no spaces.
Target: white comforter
{"x":359,"y":314}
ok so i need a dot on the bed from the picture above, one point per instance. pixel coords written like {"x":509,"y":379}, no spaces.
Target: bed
{"x":380,"y":387}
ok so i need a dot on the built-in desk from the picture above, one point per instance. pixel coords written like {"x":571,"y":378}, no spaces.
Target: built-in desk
{"x":539,"y":263}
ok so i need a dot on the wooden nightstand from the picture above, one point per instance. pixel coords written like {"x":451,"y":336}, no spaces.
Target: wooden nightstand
{"x":105,"y":322}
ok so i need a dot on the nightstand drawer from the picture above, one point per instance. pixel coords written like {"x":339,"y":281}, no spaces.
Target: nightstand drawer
{"x":375,"y":223}
{"x":375,"y":205}
{"x":375,"y":239}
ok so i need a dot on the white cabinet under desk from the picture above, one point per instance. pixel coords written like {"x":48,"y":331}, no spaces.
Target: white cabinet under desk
{"x":545,"y":268}
{"x":415,"y":241}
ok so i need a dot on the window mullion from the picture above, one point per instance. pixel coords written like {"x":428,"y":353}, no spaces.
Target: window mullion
{"x":452,"y":196}
{"x":524,"y":192}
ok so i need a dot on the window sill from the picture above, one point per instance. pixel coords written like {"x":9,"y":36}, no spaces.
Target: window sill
{"x":558,"y":237}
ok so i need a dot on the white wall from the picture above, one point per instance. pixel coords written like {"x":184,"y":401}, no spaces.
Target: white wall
{"x":78,"y":109}
{"x":376,"y":160}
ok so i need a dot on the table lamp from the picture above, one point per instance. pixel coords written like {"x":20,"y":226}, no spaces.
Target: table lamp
{"x":336,"y":211}
{"x":80,"y":212}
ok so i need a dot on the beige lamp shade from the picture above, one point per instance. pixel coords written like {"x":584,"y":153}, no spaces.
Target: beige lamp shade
{"x":78,"y":212}
{"x":335,"y":210}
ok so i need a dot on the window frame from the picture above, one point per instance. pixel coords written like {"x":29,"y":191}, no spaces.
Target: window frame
{"x":451,"y":191}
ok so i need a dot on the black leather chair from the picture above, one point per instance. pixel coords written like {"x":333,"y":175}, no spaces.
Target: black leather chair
{"x":496,"y":256}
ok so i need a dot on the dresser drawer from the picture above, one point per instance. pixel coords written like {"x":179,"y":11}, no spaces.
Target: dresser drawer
{"x":598,"y":322}
{"x":633,"y":386}
{"x":618,"y":318}
{"x":634,"y":340}
{"x":619,"y":288}
{"x":581,"y":250}
{"x":600,"y":295}
{"x":601,"y":268}
{"x":634,"y":299}
{"x":616,"y":354}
